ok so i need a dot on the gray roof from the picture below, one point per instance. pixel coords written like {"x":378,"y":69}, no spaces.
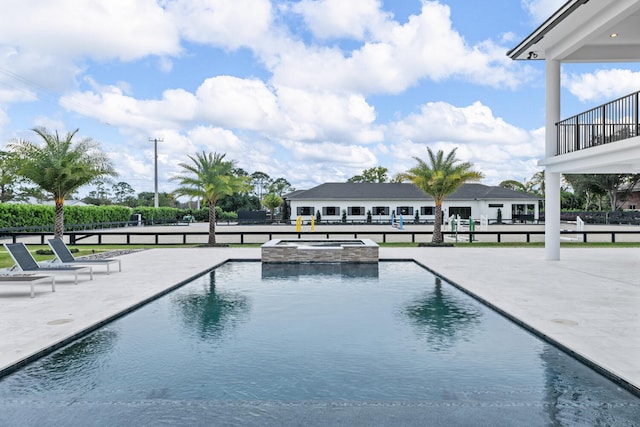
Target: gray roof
{"x":401,"y":191}
{"x":292,"y":194}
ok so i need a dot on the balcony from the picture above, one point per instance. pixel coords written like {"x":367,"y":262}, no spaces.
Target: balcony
{"x":611,"y":122}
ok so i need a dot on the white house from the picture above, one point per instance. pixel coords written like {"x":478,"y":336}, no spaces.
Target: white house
{"x":604,"y":139}
{"x":386,"y":199}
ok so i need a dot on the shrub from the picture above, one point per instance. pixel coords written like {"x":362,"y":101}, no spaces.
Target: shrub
{"x":161,"y":215}
{"x":23,"y":215}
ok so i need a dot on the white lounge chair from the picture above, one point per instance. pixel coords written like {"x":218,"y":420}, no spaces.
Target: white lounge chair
{"x":28,"y":279}
{"x":25,"y":262}
{"x":65,"y":257}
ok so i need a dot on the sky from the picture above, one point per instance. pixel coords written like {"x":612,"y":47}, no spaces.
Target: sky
{"x":312,"y":91}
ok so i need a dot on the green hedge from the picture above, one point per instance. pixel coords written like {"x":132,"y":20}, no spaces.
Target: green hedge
{"x":26,"y":215}
{"x":202,"y":215}
{"x":152,"y":215}
{"x":22,"y":215}
{"x":89,"y":214}
{"x":18,"y":215}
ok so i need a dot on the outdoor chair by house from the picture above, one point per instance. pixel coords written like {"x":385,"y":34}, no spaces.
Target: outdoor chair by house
{"x":25,"y":262}
{"x":65,"y":257}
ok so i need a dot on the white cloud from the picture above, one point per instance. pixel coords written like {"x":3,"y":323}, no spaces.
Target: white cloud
{"x":16,"y":94}
{"x":353,"y":19}
{"x":83,"y":28}
{"x":112,"y":107}
{"x":312,"y":164}
{"x":4,"y":118}
{"x":237,"y":103}
{"x":495,"y":147}
{"x":427,"y":46}
{"x":540,"y":10}
{"x":241,"y":104}
{"x":210,"y":139}
{"x":602,"y":84}
{"x":320,"y":116}
{"x":227,"y":23}
{"x":331,"y":153}
{"x":51,"y":123}
{"x":28,"y":75}
{"x":440,"y":121}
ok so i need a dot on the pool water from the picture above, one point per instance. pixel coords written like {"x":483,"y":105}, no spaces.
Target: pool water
{"x":316,"y":344}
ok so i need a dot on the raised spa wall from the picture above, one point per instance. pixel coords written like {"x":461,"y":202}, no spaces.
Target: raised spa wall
{"x":356,"y":251}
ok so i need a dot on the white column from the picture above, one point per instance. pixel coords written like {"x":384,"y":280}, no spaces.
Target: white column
{"x":552,"y":216}
{"x":552,"y":180}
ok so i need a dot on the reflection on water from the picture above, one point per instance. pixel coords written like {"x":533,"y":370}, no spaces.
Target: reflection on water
{"x":302,"y":270}
{"x":76,"y":364}
{"x":590,"y":401}
{"x":210,"y":312}
{"x":443,"y":318}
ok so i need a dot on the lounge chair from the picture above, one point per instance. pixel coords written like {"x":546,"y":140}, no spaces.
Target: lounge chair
{"x":28,"y":279}
{"x":65,"y":257}
{"x":25,"y":262}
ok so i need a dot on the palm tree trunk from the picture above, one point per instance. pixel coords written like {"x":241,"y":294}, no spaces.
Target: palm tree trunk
{"x":58,"y":229}
{"x":212,"y":223}
{"x":437,"y":227}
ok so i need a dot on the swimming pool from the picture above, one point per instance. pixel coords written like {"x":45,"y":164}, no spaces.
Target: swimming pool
{"x":370,"y":344}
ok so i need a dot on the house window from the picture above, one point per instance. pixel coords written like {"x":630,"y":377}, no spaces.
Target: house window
{"x":305,"y":210}
{"x":496,"y":205}
{"x":632,"y":207}
{"x":463,"y":211}
{"x":380,"y":210}
{"x":331,"y":210}
{"x":405,"y":210}
{"x":427,"y":210}
{"x":356,"y":210}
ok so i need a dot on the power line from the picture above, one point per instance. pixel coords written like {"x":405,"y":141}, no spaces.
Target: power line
{"x":42,"y":93}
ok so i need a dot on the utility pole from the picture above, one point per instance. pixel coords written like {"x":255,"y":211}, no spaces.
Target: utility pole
{"x":155,"y":168}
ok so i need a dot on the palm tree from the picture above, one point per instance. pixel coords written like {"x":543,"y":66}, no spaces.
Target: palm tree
{"x":209,"y":177}
{"x":7,"y":177}
{"x":212,"y":311}
{"x":60,"y":166}
{"x":442,"y":318}
{"x":272,"y":201}
{"x":439,"y":178}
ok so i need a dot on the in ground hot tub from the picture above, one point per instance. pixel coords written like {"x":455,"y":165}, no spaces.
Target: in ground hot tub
{"x":343,"y":250}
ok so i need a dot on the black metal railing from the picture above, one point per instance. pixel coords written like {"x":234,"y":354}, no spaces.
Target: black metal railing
{"x":67,"y":227}
{"x":613,"y":121}
{"x":253,"y":237}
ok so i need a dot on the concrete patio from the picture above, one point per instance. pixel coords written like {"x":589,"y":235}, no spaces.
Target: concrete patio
{"x":587,"y":302}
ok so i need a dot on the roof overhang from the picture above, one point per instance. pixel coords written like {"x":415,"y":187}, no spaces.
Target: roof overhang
{"x":616,"y":157}
{"x":586,"y":31}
